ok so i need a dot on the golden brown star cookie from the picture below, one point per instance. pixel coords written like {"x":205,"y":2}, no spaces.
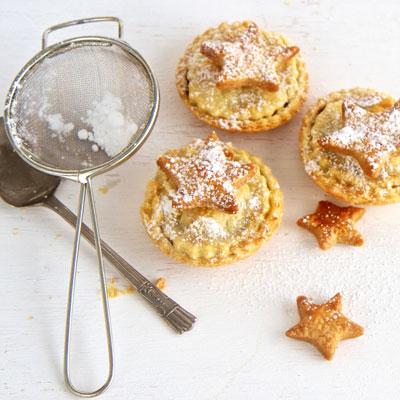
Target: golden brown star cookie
{"x":207,"y":179}
{"x":369,"y":137}
{"x":324,"y":325}
{"x":247,"y":60}
{"x":332,"y":224}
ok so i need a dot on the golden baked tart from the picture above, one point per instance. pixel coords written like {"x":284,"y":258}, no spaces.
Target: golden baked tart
{"x":240,"y":78}
{"x":211,"y":204}
{"x":350,"y":146}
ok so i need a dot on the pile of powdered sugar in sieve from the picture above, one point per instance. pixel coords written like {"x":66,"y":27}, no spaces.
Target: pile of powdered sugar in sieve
{"x":107,"y":127}
{"x":55,"y":122}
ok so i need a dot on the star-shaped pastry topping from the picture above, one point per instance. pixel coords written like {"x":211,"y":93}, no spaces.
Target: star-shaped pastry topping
{"x":332,"y":224}
{"x":248,"y":60}
{"x":207,"y":179}
{"x":324,"y":325}
{"x":369,"y":137}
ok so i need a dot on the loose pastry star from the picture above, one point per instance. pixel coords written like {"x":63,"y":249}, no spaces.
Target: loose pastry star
{"x":248,"y":60}
{"x":208,"y":179}
{"x":369,"y":137}
{"x":324,"y":326}
{"x":332,"y":224}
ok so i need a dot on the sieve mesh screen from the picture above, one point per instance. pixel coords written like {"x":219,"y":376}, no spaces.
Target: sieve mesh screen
{"x":93,"y":87}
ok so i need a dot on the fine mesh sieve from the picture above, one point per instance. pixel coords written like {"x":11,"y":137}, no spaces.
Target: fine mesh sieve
{"x":78,"y":108}
{"x":66,"y":80}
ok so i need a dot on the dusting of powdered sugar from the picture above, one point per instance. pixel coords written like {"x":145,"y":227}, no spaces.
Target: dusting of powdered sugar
{"x":254,"y":203}
{"x":164,"y":218}
{"x":365,"y":101}
{"x":110,"y":130}
{"x":231,"y":123}
{"x":254,"y":61}
{"x":106,"y":125}
{"x":205,"y":229}
{"x":202,"y":229}
{"x":370,"y":136}
{"x":55,"y":122}
{"x":248,"y":58}
{"x":208,"y":178}
{"x":245,"y":102}
{"x":169,"y":220}
{"x":311,"y":167}
{"x":346,"y":164}
{"x":369,"y":290}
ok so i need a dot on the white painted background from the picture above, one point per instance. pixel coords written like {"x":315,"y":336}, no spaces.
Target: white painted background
{"x":237,"y":350}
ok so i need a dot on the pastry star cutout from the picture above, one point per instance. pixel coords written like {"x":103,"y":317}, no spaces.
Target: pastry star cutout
{"x":207,"y":179}
{"x":248,"y":60}
{"x":369,"y":137}
{"x":332,"y":224}
{"x":324,"y":326}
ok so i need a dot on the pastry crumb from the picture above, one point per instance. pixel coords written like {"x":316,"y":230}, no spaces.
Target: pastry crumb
{"x":161,"y":283}
{"x":103,"y":190}
{"x":108,"y":185}
{"x":30,"y":317}
{"x":114,"y":291}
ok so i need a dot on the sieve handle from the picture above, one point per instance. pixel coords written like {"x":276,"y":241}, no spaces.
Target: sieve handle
{"x":81,"y":21}
{"x":180,"y":319}
{"x":87,"y":187}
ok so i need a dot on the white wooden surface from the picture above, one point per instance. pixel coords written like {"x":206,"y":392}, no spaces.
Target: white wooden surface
{"x":238,"y":349}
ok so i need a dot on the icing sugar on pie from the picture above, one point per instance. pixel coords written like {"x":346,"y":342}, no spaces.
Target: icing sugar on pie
{"x":207,"y":179}
{"x":247,"y":60}
{"x":369,"y":137}
{"x":239,"y":77}
{"x":211,"y":204}
{"x":350,"y":142}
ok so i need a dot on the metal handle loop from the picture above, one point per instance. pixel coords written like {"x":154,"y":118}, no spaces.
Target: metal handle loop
{"x":81,"y":21}
{"x":180,"y":319}
{"x":71,"y":292}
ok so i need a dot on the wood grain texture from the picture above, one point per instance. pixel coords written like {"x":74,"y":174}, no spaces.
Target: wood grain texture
{"x":238,"y":349}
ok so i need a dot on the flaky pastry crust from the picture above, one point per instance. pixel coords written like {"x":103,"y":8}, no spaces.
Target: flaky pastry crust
{"x":323,"y":325}
{"x":276,"y":107}
{"x":331,"y":224}
{"x":341,"y":175}
{"x":211,"y":237}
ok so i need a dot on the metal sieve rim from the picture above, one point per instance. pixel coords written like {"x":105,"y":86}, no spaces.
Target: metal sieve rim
{"x":81,"y":174}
